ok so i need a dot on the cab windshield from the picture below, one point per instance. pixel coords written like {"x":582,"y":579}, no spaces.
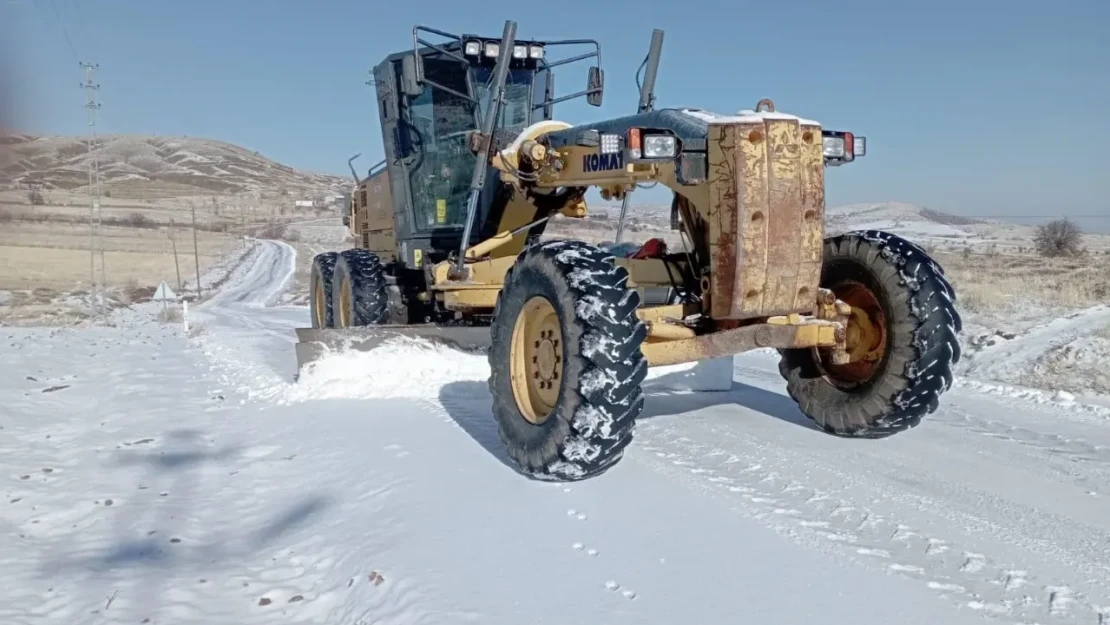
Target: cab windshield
{"x":439,"y":179}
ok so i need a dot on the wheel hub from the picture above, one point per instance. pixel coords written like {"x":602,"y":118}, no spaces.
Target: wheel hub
{"x":537,"y":361}
{"x":865,"y":336}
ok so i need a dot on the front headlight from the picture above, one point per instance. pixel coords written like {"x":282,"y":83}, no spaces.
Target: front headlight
{"x":833,"y":147}
{"x":659,"y":146}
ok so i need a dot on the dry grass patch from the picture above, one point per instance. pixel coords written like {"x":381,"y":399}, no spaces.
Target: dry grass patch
{"x":56,"y":256}
{"x":999,"y":285}
{"x":170,"y":314}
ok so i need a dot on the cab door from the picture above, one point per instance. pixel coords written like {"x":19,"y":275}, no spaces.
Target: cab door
{"x":397,"y":152}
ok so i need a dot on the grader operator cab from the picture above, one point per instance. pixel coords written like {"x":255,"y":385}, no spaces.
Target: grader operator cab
{"x":449,"y":229}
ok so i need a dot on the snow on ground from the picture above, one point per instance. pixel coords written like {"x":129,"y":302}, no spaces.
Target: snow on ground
{"x":1068,"y":352}
{"x":154,"y":477}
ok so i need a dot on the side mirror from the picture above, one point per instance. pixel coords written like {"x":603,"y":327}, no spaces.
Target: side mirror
{"x":410,"y":85}
{"x":595,"y":85}
{"x":549,"y":95}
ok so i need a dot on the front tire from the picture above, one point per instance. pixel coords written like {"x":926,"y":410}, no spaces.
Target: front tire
{"x":359,"y":293}
{"x":320,"y":288}
{"x":565,"y":361}
{"x":903,"y":338}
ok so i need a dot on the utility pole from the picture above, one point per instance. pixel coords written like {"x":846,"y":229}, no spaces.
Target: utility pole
{"x":196,"y":249}
{"x":176,"y":266}
{"x":92,"y":106}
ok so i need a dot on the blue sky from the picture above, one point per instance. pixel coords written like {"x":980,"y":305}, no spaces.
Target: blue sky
{"x":977,"y":107}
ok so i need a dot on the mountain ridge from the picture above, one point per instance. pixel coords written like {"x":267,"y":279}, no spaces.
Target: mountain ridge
{"x":155,"y":166}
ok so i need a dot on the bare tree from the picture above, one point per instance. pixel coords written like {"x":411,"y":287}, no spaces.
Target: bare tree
{"x":1060,"y":237}
{"x":35,"y":197}
{"x":139,"y":220}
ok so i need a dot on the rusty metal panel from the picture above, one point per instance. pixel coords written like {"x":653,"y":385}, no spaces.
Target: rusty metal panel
{"x":756,"y":220}
{"x":724,"y":187}
{"x":813,"y":216}
{"x":784,"y":226}
{"x":766,"y":216}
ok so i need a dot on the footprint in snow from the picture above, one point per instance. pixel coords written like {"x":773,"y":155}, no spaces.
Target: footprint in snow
{"x":973,"y":562}
{"x":580,"y":547}
{"x":613,"y":586}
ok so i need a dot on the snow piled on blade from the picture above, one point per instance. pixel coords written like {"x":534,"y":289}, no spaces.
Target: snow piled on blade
{"x":401,"y":367}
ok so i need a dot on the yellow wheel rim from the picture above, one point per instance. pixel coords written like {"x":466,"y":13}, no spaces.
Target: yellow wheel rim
{"x":344,"y":303}
{"x":319,"y":308}
{"x":866,"y":334}
{"x":537,"y":360}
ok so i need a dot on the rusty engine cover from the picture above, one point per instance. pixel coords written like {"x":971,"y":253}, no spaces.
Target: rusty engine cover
{"x":766,"y":214}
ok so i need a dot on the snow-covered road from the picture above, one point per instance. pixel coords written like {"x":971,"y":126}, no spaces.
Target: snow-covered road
{"x":189,"y":480}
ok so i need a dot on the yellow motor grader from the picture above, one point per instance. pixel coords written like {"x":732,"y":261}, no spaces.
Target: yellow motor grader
{"x":449,"y":230}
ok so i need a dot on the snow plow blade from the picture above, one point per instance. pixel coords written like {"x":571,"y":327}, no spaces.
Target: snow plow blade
{"x":314,"y":343}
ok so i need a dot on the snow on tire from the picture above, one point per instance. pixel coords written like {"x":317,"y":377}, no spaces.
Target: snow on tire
{"x":359,"y":289}
{"x":914,"y":325}
{"x":565,"y":361}
{"x":319,"y":290}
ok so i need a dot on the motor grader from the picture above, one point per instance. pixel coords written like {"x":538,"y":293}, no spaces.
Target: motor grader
{"x":449,"y":229}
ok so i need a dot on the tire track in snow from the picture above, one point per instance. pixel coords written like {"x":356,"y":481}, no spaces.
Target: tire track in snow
{"x":1076,"y":459}
{"x":1076,"y":450}
{"x":972,"y":579}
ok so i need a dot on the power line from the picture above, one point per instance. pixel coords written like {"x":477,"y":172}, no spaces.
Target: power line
{"x":65,"y":31}
{"x":95,"y":242}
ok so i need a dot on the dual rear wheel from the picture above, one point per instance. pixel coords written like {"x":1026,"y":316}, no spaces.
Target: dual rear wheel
{"x":347,"y":289}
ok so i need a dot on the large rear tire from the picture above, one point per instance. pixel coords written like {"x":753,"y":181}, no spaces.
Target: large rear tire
{"x":565,"y":361}
{"x":359,"y":294}
{"x":903,"y":339}
{"x":320,"y":288}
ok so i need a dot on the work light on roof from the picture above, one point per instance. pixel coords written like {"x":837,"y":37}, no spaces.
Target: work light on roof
{"x":492,"y":48}
{"x":535,"y":52}
{"x":520,"y":52}
{"x":610,"y":143}
{"x":473,"y":48}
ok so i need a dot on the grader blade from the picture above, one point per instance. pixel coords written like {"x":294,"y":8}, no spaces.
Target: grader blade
{"x":315,"y":343}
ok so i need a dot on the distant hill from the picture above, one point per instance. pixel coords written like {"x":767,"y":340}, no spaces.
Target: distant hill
{"x":148,"y":167}
{"x":906,"y":219}
{"x":924,"y":225}
{"x":895,"y":216}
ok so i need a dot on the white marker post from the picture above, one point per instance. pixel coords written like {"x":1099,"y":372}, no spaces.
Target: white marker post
{"x":185,"y":315}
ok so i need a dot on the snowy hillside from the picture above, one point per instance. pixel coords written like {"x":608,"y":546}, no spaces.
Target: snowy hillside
{"x":154,"y":476}
{"x":907,"y":219}
{"x":154,"y":166}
